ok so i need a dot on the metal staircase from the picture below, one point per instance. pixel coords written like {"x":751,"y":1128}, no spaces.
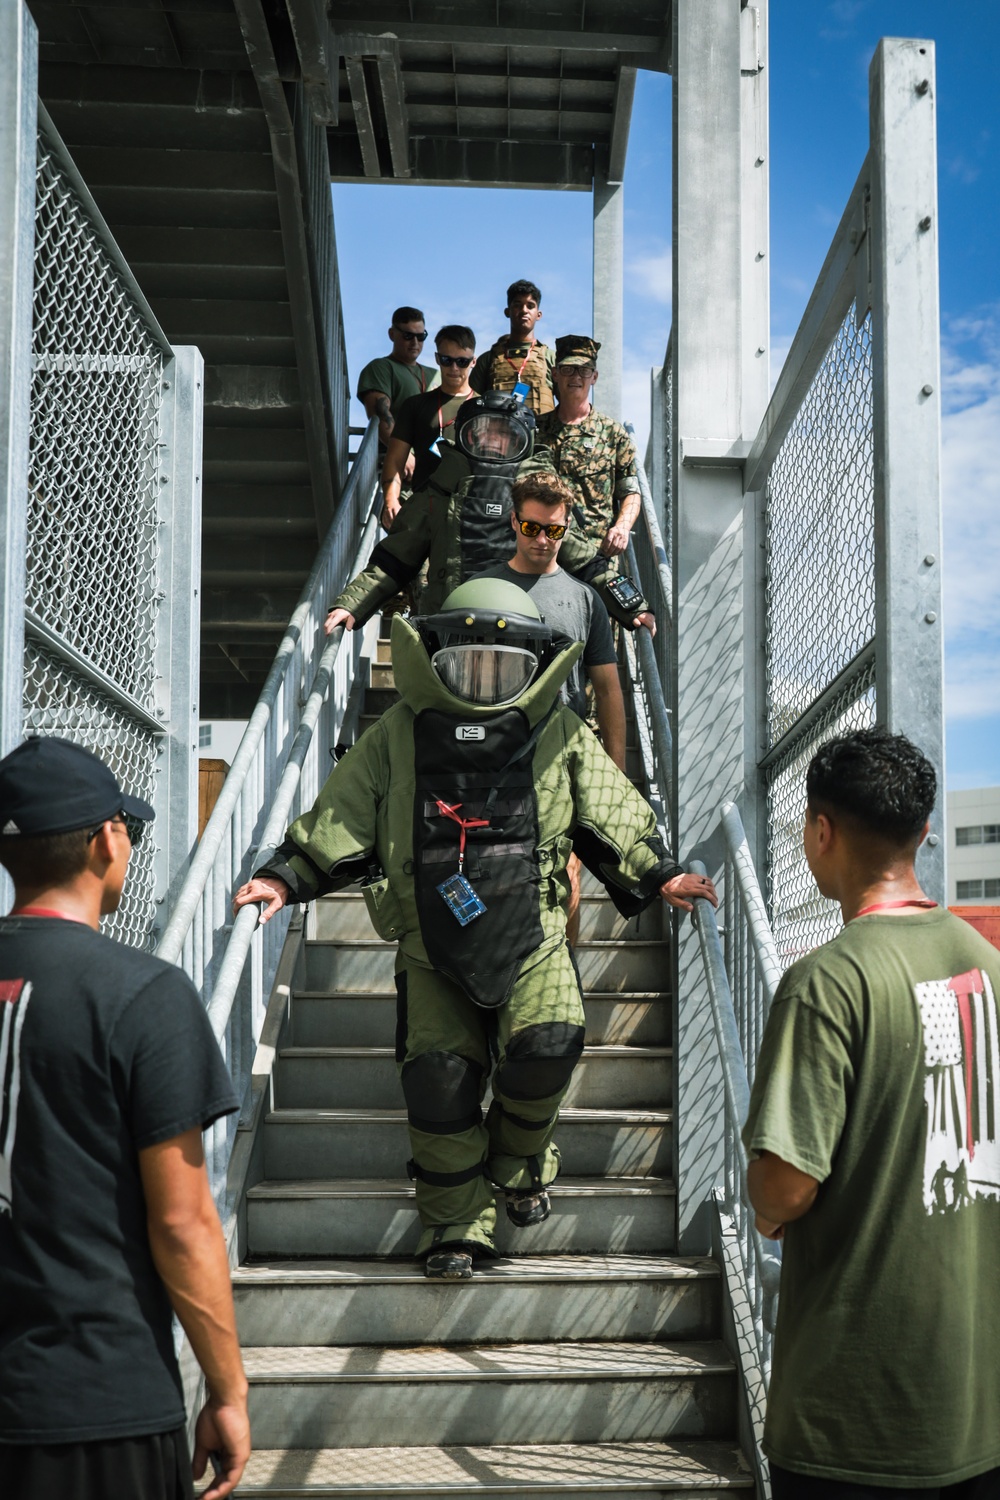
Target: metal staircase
{"x":589,"y":1363}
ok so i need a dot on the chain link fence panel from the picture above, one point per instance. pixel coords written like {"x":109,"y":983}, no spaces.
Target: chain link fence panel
{"x":92,"y":512}
{"x":59,"y":701}
{"x":820,"y":529}
{"x":92,"y":482}
{"x":800,"y":917}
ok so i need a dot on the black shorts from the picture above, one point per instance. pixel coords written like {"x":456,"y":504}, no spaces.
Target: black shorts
{"x":135,"y":1468}
{"x":787,"y":1486}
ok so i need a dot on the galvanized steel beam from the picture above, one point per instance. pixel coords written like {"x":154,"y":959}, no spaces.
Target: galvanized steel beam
{"x":18,"y":94}
{"x":909,"y":639}
{"x":289,"y":194}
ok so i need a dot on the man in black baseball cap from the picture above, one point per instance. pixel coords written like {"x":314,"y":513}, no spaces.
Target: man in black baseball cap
{"x":54,"y":786}
{"x":109,"y":1072}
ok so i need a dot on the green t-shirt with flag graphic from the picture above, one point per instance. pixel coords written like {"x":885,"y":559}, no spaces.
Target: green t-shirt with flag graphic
{"x":879,"y":1075}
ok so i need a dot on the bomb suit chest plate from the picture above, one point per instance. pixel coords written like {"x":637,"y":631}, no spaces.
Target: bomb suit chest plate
{"x":470,"y":766}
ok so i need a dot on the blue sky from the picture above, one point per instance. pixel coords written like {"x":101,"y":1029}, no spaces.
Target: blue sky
{"x":453,"y":251}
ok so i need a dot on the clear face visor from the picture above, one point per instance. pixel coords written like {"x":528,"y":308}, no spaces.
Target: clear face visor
{"x":487,"y":675}
{"x":495,"y":438}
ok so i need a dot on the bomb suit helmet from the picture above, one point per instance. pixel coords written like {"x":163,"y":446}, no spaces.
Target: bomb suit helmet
{"x":488,"y":642}
{"x":495,"y":428}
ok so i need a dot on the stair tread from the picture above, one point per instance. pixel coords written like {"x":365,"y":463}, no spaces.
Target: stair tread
{"x":506,"y":1468}
{"x":602,"y":1049}
{"x":527,"y":1268}
{"x":377,"y":1187}
{"x":569,"y":1114}
{"x":588,"y":1360}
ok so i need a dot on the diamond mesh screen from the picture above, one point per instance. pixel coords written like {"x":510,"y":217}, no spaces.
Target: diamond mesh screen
{"x":95,"y":397}
{"x":92,"y":506}
{"x":820,"y":522}
{"x":59,"y":701}
{"x":800,"y":916}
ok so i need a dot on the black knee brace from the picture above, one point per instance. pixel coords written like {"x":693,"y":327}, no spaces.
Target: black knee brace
{"x":539,"y":1060}
{"x":442,"y":1093}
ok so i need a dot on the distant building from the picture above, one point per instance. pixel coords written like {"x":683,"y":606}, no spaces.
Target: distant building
{"x":974,"y":847}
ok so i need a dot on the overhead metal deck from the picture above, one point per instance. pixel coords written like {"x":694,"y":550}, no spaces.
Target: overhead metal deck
{"x":186,"y":120}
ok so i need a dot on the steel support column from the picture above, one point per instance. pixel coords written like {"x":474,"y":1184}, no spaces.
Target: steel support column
{"x":720,"y":387}
{"x":608,"y":273}
{"x":909,"y":643}
{"x":178,"y":637}
{"x":18,"y":135}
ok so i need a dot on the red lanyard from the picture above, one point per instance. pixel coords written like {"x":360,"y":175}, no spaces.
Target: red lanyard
{"x":442,"y":424}
{"x":893,"y":906}
{"x":451,"y":811}
{"x":43,"y":911}
{"x":531,"y":350}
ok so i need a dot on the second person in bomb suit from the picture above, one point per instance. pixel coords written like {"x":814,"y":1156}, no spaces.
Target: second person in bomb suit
{"x":460,"y":808}
{"x":460,"y":522}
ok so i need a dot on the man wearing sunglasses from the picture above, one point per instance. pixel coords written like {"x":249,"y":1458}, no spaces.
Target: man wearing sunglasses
{"x":541,"y":518}
{"x":385,"y":383}
{"x":425,"y":423}
{"x":109,"y":1072}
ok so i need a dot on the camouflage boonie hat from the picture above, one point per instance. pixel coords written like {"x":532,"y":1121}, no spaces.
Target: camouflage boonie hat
{"x":576,"y":349}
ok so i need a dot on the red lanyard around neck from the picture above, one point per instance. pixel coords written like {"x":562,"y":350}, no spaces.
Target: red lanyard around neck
{"x":866,"y":911}
{"x":531,"y":350}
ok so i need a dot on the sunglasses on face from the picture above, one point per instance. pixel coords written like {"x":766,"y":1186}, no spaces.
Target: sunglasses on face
{"x":417,"y":338}
{"x":463,"y":361}
{"x":555,"y":532}
{"x":134,"y":827}
{"x":584,"y":370}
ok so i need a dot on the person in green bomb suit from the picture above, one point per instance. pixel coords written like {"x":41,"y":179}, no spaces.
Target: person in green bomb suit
{"x":459,"y":524}
{"x":458,"y":811}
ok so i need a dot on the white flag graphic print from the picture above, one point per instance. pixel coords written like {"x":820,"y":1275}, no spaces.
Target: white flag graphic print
{"x":961,"y":1090}
{"x":14,"y":997}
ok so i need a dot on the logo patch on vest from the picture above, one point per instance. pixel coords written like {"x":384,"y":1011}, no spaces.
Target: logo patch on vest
{"x":494,"y":510}
{"x":470,"y":732}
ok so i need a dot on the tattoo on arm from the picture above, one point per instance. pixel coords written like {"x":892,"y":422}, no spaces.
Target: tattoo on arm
{"x":384,"y":413}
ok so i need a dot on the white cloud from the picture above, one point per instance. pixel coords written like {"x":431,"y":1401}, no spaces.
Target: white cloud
{"x":651,"y":275}
{"x":970,"y":483}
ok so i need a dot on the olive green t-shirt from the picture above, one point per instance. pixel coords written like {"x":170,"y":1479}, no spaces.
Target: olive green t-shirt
{"x":879,"y":1075}
{"x":396,"y":380}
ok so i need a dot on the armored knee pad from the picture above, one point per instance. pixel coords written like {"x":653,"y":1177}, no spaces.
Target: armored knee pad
{"x":539,"y":1060}
{"x":442,"y":1093}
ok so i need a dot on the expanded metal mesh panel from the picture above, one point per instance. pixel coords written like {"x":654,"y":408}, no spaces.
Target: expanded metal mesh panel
{"x":58,"y":701}
{"x":802,"y":918}
{"x":820,"y":522}
{"x":95,"y":397}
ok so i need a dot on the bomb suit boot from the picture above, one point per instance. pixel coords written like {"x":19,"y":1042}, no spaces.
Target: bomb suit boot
{"x":459,"y":809}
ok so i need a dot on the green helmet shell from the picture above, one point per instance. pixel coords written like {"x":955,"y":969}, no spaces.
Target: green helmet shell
{"x":493,"y":594}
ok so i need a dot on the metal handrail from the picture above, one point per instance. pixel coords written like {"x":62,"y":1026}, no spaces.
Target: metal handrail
{"x":758,"y":926}
{"x":734,"y":1073}
{"x":654,"y":538}
{"x":281,"y":762}
{"x":191,"y":891}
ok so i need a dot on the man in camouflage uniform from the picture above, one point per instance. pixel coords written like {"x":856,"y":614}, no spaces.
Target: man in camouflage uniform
{"x":592,"y":451}
{"x":519,"y":357}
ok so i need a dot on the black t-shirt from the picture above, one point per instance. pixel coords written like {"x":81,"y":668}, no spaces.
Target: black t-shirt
{"x":421,"y":421}
{"x":103,"y":1051}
